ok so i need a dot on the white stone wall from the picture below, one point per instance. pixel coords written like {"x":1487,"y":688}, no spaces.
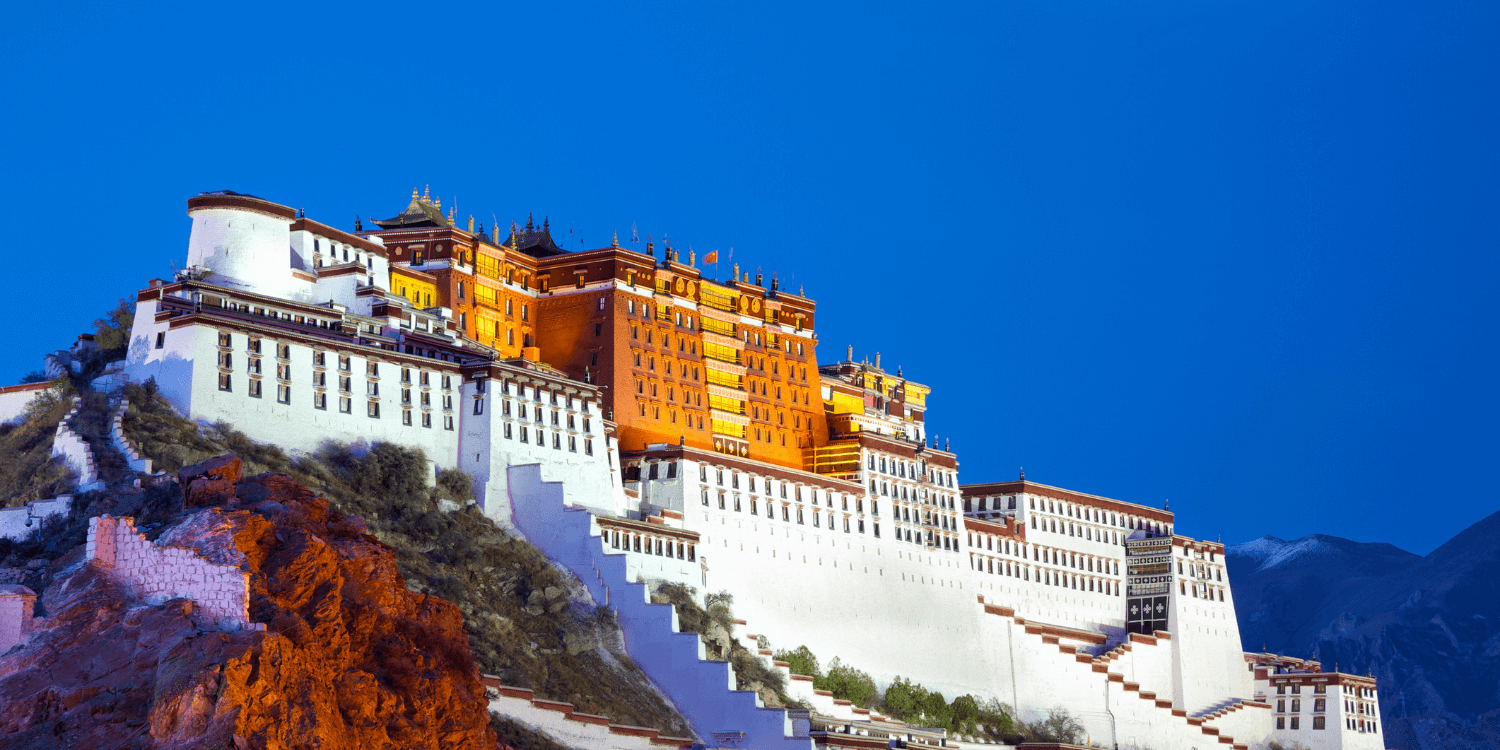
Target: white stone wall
{"x":75,"y":451}
{"x":1208,"y":658}
{"x":16,"y":604}
{"x":571,"y":728}
{"x":505,"y":433}
{"x":251,"y":250}
{"x":893,"y":608}
{"x":122,"y":444}
{"x":18,"y":523}
{"x":701,"y":690}
{"x":14,"y":399}
{"x":156,"y":574}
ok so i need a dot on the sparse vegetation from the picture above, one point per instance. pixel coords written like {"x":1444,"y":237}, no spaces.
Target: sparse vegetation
{"x":525,"y":625}
{"x":112,"y":332}
{"x":28,"y":471}
{"x":715,"y":627}
{"x":903,"y":699}
{"x":1058,"y":726}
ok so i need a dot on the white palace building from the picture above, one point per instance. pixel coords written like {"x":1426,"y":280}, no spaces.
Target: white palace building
{"x":840,"y":526}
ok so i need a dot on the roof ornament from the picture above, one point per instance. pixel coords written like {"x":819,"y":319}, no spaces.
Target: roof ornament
{"x":947,"y":444}
{"x":692,"y":257}
{"x":437,"y":202}
{"x":357,"y":227}
{"x":616,"y":241}
{"x":415,"y":196}
{"x":801,"y":291}
{"x":1169,"y":505}
{"x":530,"y":227}
{"x":546,"y":227}
{"x":898,"y":372}
{"x":1023,"y":473}
{"x":471,"y":223}
{"x":849,"y":357}
{"x":301,"y":212}
{"x":426,"y":189}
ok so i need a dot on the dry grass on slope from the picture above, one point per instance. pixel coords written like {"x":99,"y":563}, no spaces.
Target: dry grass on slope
{"x":525,"y":622}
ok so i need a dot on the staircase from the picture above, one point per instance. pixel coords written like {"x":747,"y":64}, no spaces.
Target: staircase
{"x":1153,"y":717}
{"x":701,"y":689}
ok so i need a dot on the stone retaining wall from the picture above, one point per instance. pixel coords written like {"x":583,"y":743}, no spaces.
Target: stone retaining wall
{"x":75,"y":451}
{"x":156,"y":574}
{"x":122,"y":444}
{"x":17,"y":523}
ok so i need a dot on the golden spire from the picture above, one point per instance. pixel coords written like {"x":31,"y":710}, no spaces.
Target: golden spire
{"x":616,"y":241}
{"x":437,"y":202}
{"x":414,"y":195}
{"x":425,"y":190}
{"x":471,"y":223}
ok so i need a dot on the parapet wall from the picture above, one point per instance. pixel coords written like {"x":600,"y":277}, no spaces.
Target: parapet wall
{"x":17,"y":523}
{"x":122,"y":444}
{"x":75,"y":451}
{"x":15,"y":398}
{"x":16,"y":604}
{"x":156,"y":574}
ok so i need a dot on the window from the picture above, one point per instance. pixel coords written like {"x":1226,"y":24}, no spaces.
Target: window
{"x":284,"y":394}
{"x":161,"y":339}
{"x":478,"y":406}
{"x":255,"y":389}
{"x":320,"y":401}
{"x":373,"y":410}
{"x":224,"y":381}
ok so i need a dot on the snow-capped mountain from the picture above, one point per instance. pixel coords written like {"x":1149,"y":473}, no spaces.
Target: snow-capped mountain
{"x":1427,"y":627}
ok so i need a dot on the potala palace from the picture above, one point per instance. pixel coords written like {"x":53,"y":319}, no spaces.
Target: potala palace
{"x":639,"y":421}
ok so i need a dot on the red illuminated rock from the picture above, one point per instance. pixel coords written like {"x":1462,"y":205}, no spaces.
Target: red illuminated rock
{"x":350,"y":658}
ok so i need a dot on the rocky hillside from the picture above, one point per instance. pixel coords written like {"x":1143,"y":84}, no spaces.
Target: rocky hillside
{"x":1427,"y":627}
{"x":350,"y":659}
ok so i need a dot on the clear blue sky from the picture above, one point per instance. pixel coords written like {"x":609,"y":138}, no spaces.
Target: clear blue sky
{"x":1242,"y":255}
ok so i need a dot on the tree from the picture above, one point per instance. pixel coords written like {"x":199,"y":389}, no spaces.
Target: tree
{"x":903,"y":699}
{"x":112,"y":332}
{"x":1059,"y":726}
{"x":35,"y":376}
{"x":847,"y":683}
{"x":800,"y":661}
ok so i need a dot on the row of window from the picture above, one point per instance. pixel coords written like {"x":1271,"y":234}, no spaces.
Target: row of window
{"x":851,"y":525}
{"x":763,"y":486}
{"x":653,"y":545}
{"x":253,"y":389}
{"x":1094,"y":515}
{"x":510,"y":431}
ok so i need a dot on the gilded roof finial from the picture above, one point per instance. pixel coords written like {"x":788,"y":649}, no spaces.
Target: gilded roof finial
{"x":692,"y":257}
{"x":426,"y":189}
{"x":616,"y":241}
{"x":415,"y":196}
{"x":437,"y":202}
{"x":546,"y":226}
{"x":451,"y":216}
{"x":529,"y":225}
{"x":471,"y":223}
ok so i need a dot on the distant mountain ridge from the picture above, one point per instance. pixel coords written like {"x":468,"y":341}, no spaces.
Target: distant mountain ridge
{"x":1427,"y":627}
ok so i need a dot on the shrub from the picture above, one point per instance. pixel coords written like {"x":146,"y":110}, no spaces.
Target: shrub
{"x":1059,"y":726}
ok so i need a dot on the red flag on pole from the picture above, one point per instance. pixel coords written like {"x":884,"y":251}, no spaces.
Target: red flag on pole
{"x":711,"y":257}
